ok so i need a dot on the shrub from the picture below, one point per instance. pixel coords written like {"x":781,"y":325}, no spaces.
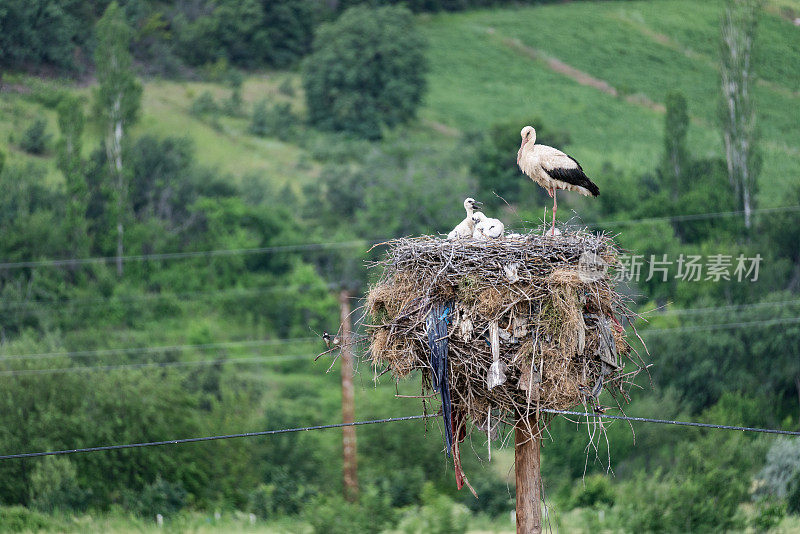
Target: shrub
{"x":204,"y":105}
{"x":793,"y":494}
{"x":439,"y":515}
{"x":767,"y":515}
{"x":286,"y":88}
{"x":159,"y":497}
{"x":594,"y":490}
{"x":35,"y":138}
{"x":261,"y":501}
{"x":333,"y":515}
{"x":21,"y":519}
{"x":495,"y":496}
{"x":366,"y":71}
{"x":54,"y":486}
{"x":782,"y":465}
{"x":276,"y":121}
{"x":233,"y":105}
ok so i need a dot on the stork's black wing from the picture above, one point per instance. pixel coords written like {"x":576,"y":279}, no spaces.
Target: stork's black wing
{"x":573,"y":176}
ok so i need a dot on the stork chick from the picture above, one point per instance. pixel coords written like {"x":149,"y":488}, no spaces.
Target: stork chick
{"x":486,"y":227}
{"x":465,"y":228}
{"x":552,"y":169}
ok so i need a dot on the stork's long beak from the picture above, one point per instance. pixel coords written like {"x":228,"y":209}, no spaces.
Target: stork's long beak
{"x":522,"y":144}
{"x":477,"y":204}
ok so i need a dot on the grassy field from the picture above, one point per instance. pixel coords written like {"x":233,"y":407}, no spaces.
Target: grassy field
{"x":491,"y":66}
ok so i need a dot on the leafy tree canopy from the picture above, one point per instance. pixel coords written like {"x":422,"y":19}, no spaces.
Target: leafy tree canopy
{"x":366,"y":71}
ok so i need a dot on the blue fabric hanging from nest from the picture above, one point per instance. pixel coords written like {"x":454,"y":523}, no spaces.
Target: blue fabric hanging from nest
{"x":436,"y":323}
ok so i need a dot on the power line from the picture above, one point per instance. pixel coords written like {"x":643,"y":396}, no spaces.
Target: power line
{"x":212,"y":438}
{"x":388,"y":420}
{"x":732,"y":307}
{"x":131,"y":366}
{"x":695,"y":216}
{"x":345,"y":244}
{"x":182,"y":255}
{"x":671,"y":422}
{"x":766,"y":322}
{"x":145,"y":350}
{"x":88,"y":301}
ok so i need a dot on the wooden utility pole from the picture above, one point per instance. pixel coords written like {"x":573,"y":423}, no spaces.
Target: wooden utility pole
{"x":348,"y":403}
{"x":529,"y":477}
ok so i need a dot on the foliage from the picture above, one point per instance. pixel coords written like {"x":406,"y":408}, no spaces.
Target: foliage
{"x":233,"y":105}
{"x":768,"y":515}
{"x":118,"y":94}
{"x":336,"y":516}
{"x":21,"y":519}
{"x":793,"y":494}
{"x":737,"y":106}
{"x":438,"y":515}
{"x":54,"y":486}
{"x":495,"y":496}
{"x":35,"y":139}
{"x":781,"y":467}
{"x":366,"y":72}
{"x":276,"y":120}
{"x":159,"y":497}
{"x":69,"y":150}
{"x":674,"y":160}
{"x":35,"y":33}
{"x":594,"y":490}
{"x":204,"y":105}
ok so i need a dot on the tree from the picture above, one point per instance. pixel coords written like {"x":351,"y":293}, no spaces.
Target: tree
{"x":117,"y":100}
{"x":35,"y":139}
{"x":290,"y":24}
{"x":40,"y":32}
{"x":366,"y":71}
{"x":676,"y":125}
{"x":71,"y":121}
{"x":738,"y":111}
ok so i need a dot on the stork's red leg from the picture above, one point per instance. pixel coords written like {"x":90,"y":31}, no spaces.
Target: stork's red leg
{"x":555,"y":207}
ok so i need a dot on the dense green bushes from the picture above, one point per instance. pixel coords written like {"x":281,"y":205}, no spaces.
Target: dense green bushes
{"x":366,"y":72}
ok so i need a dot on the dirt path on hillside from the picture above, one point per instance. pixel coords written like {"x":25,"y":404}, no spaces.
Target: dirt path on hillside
{"x":581,"y":77}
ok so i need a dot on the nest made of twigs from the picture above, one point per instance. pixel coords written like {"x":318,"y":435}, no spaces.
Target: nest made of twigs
{"x":557,"y":326}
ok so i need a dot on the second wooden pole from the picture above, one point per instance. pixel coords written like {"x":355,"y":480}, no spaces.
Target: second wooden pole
{"x":528,"y":476}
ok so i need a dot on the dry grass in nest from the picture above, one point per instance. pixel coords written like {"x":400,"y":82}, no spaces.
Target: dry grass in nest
{"x":559,"y":330}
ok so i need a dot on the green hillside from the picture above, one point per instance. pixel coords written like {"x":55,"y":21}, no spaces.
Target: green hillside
{"x":595,"y":73}
{"x":490,"y":66}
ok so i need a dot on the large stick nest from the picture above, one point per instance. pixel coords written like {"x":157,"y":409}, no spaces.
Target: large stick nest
{"x":558,"y":325}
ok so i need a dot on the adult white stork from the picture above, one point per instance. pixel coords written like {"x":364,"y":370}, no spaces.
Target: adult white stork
{"x":486,"y":227}
{"x":552,"y":169}
{"x":465,"y":228}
